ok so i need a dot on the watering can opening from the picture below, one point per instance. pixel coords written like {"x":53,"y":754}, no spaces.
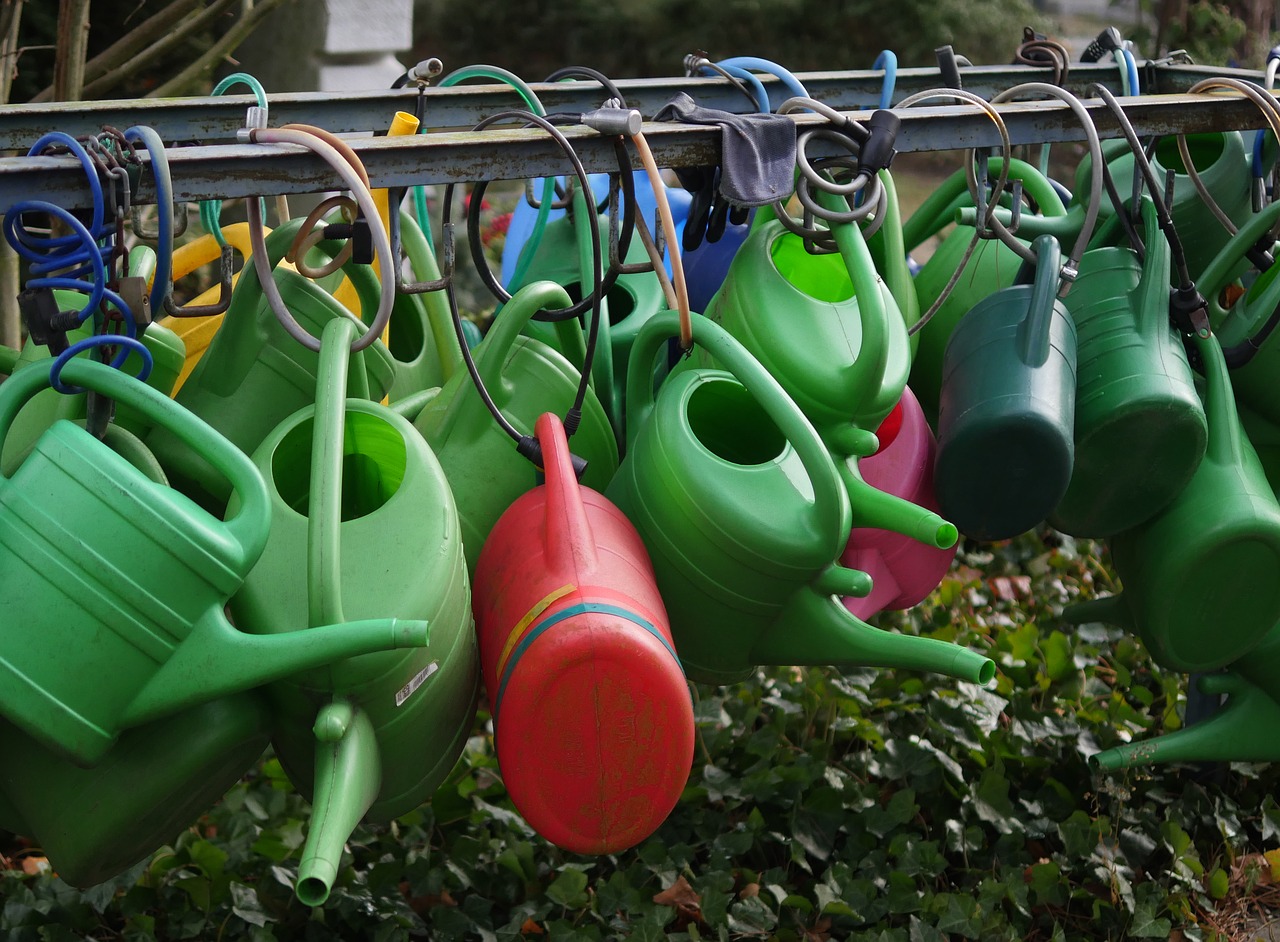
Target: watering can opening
{"x":823,"y":277}
{"x":406,"y":338}
{"x":373,"y":465}
{"x":727,"y":422}
{"x":1205,"y":151}
{"x":620,"y":299}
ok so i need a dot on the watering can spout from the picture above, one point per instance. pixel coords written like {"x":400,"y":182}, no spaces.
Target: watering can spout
{"x":1110,"y":610}
{"x":348,"y":778}
{"x":217,"y":659}
{"x":815,"y":628}
{"x":1241,"y":731}
{"x":884,"y":511}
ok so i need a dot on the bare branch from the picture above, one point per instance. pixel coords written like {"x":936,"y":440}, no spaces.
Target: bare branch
{"x":251,"y":14}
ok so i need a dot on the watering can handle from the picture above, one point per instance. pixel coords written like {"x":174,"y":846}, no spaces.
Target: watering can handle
{"x":251,"y":522}
{"x":1156,"y":268}
{"x":831,"y":500}
{"x":570,"y":544}
{"x":1035,"y":328}
{"x":1218,"y":273}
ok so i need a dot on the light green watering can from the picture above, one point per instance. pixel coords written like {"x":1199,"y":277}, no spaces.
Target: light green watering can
{"x":992,"y":266}
{"x":1242,"y":730}
{"x":254,"y":374}
{"x":526,"y":378}
{"x":420,"y":333}
{"x":1199,"y":578}
{"x":744,"y":515}
{"x":1140,"y":429}
{"x":111,"y":576}
{"x":889,"y":252}
{"x":363,"y":526}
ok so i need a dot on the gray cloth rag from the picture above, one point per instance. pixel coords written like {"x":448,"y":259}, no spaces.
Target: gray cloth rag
{"x":757,"y":151}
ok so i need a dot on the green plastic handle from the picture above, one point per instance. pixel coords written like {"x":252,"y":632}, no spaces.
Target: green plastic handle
{"x":1221,"y":271}
{"x":1152,"y":301}
{"x":1035,"y":330}
{"x":831,"y":501}
{"x":248,"y":527}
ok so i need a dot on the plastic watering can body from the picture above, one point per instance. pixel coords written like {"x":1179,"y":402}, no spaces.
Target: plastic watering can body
{"x":83,"y":535}
{"x":1140,"y":429}
{"x":903,"y":570}
{"x":1199,"y":578}
{"x":1222,"y":160}
{"x":593,"y":723}
{"x":525,"y":378}
{"x":743,"y":513}
{"x":420,"y":334}
{"x":992,"y":267}
{"x":809,"y":323}
{"x":1007,"y":414}
{"x":254,"y":374}
{"x":95,"y":823}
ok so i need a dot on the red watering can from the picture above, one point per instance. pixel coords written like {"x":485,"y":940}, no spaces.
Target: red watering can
{"x":592,"y":718}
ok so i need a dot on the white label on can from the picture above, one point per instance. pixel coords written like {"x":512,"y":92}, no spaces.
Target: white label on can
{"x":405,"y":692}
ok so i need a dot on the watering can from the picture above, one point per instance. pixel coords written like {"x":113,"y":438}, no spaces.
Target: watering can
{"x":1006,"y":416}
{"x":525,"y":377}
{"x":593,"y":723}
{"x":111,"y":576}
{"x":903,"y":570}
{"x":1140,"y":429}
{"x":360,"y":505}
{"x":1199,"y":578}
{"x":889,"y":252}
{"x":420,"y":332}
{"x":1242,"y":730}
{"x":95,"y":823}
{"x":825,"y":326}
{"x":1242,"y":327}
{"x":992,"y":266}
{"x":1223,"y":162}
{"x":706,"y":266}
{"x":744,"y":513}
{"x":254,"y":374}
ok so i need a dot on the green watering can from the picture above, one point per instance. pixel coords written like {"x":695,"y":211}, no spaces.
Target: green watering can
{"x":1223,"y":162}
{"x":744,"y":515}
{"x":1241,"y":329}
{"x":420,"y":333}
{"x":1199,"y":578}
{"x":889,"y":252}
{"x":992,"y":266}
{"x":254,"y":374}
{"x":825,"y":326}
{"x":157,"y":779}
{"x":360,"y":505}
{"x":1006,"y":417}
{"x":113,"y":577}
{"x":1242,"y":730}
{"x":1140,"y":429}
{"x":526,"y":378}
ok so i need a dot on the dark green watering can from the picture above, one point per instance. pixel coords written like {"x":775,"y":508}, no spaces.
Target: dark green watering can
{"x":363,"y":526}
{"x":157,"y":779}
{"x":1140,"y":429}
{"x":1242,"y":730}
{"x":1199,"y":578}
{"x":1253,"y":356}
{"x":110,"y":576}
{"x":254,"y":374}
{"x":1006,"y":417}
{"x":526,"y":378}
{"x":825,"y":326}
{"x":992,"y":266}
{"x":744,"y":516}
{"x":1222,"y":160}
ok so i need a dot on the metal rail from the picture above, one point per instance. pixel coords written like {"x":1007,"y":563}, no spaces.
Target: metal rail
{"x":236,"y":170}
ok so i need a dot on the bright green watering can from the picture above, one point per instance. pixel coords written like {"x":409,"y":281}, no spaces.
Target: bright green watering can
{"x":420,"y":333}
{"x":1140,"y":429}
{"x":1199,"y":578}
{"x":363,"y":526}
{"x":825,"y":326}
{"x":1242,"y":730}
{"x":1254,"y":358}
{"x":889,"y":253}
{"x":526,"y":378}
{"x":254,"y":374}
{"x":744,"y":515}
{"x":992,"y":266}
{"x":110,"y":576}
{"x":1006,"y":417}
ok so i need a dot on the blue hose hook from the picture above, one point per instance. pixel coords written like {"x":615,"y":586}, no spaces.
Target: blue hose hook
{"x":887,"y":60}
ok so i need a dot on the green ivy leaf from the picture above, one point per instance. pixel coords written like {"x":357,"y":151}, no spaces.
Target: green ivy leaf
{"x":569,"y":889}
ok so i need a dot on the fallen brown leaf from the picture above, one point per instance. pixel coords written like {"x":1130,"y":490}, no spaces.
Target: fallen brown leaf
{"x":532,"y":928}
{"x":33,"y":865}
{"x":748,"y":891}
{"x":682,"y":896}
